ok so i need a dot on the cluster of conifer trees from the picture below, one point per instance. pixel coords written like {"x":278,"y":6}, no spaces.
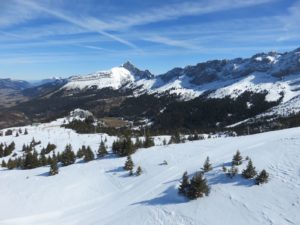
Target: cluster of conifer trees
{"x":6,"y":150}
{"x":124,"y":146}
{"x":248,"y":173}
{"x":31,"y":159}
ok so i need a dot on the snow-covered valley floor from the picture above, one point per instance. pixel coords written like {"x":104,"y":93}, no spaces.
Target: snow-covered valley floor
{"x":101,"y":192}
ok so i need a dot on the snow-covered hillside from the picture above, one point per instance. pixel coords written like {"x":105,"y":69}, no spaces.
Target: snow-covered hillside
{"x":277,"y":74}
{"x":101,"y":192}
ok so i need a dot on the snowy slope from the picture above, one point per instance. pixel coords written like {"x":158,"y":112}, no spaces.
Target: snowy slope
{"x":114,"y":78}
{"x":100,"y":192}
{"x":277,"y":74}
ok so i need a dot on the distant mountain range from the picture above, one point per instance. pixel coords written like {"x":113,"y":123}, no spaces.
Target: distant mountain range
{"x":275,"y":76}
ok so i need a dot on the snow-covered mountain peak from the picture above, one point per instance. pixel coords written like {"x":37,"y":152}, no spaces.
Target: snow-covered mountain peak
{"x":113,"y":78}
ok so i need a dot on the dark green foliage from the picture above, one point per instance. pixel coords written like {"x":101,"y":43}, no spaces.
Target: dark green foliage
{"x":149,"y":142}
{"x":203,"y":112}
{"x":139,"y":171}
{"x":3,"y":164}
{"x":68,"y":157}
{"x":34,"y":143}
{"x":185,"y":184}
{"x":237,"y":158}
{"x":8,"y":132}
{"x":164,"y":141}
{"x":6,"y":150}
{"x":198,"y":187}
{"x":207,"y":166}
{"x":31,"y":160}
{"x":25,"y":132}
{"x":175,"y":138}
{"x":80,"y":152}
{"x":43,"y":160}
{"x":250,"y":171}
{"x":123,"y":146}
{"x":263,"y":177}
{"x":88,"y":154}
{"x":48,"y":149}
{"x":11,"y":164}
{"x":53,"y":168}
{"x":138,"y":143}
{"x":102,"y":150}
{"x":129,"y":164}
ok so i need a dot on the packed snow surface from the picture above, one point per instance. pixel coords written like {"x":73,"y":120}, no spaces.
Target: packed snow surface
{"x":101,"y":192}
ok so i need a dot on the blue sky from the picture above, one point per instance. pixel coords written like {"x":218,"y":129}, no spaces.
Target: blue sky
{"x":40,"y":39}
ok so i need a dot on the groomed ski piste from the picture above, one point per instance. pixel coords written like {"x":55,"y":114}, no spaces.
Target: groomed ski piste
{"x":101,"y":192}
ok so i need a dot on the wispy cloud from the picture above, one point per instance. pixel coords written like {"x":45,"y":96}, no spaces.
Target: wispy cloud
{"x":86,"y":23}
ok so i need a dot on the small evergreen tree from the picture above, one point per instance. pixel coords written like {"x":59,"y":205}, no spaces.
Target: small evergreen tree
{"x":250,"y":171}
{"x":131,"y":172}
{"x":139,"y":171}
{"x":207,"y":166}
{"x":185,"y":184}
{"x":224,"y":168}
{"x":232,"y":171}
{"x":102,"y":150}
{"x":68,"y":157}
{"x":53,"y":168}
{"x":149,"y":142}
{"x":129,"y":163}
{"x":26,"y":132}
{"x":198,"y":187}
{"x":79,"y":153}
{"x":237,"y":158}
{"x":3,"y":164}
{"x":88,"y":155}
{"x":43,"y":160}
{"x":263,"y":177}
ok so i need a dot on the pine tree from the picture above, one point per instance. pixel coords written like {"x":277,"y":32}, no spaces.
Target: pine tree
{"x":138,"y":143}
{"x":237,"y":158}
{"x":79,"y":153}
{"x":224,"y":168}
{"x":68,"y":157}
{"x":3,"y":164}
{"x":139,"y":171}
{"x":131,"y":172}
{"x":164,"y":142}
{"x":185,"y":184}
{"x":149,"y":142}
{"x":102,"y":150}
{"x":88,"y":155}
{"x":263,"y":177}
{"x":31,"y":161}
{"x":26,"y":132}
{"x":11,"y":164}
{"x":198,"y":187}
{"x":53,"y":168}
{"x":207,"y":166}
{"x":250,"y":171}
{"x":43,"y":160}
{"x":129,"y":163}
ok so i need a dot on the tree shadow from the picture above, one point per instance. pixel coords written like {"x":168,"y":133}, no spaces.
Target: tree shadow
{"x":168,"y":197}
{"x":116,"y":170}
{"x":237,"y":180}
{"x":45,"y":174}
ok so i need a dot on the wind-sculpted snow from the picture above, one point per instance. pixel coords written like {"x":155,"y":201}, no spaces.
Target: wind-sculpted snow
{"x":101,"y":192}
